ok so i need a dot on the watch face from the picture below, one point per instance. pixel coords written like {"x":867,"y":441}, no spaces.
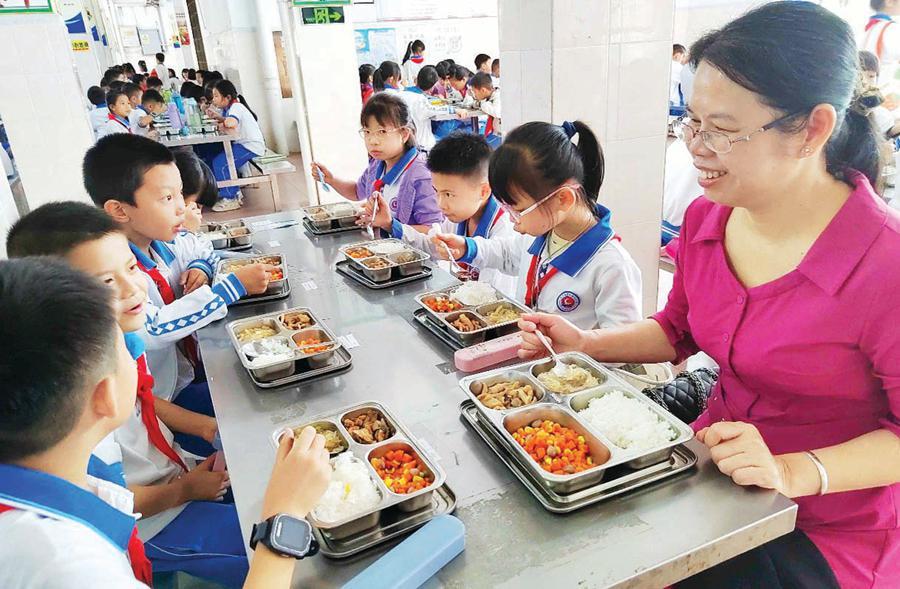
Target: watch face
{"x":291,"y":535}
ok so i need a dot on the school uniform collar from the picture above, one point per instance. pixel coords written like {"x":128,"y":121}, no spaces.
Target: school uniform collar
{"x":141,"y":108}
{"x":397,"y":169}
{"x":134,"y":343}
{"x":415,"y":90}
{"x":880,"y":16}
{"x":577,"y":255}
{"x":491,"y":210}
{"x":51,"y":496}
{"x":417,"y":58}
{"x":161,"y":249}
{"x":114,"y":117}
{"x":389,"y":87}
{"x":841,"y":246}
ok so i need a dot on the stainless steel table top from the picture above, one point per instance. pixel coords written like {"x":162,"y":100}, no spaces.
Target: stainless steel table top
{"x":646,"y":539}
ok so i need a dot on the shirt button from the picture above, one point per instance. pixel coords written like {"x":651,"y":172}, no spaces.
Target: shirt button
{"x":724,"y":337}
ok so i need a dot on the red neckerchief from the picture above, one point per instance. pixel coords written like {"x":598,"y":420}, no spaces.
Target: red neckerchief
{"x":879,"y":44}
{"x":378,"y":184}
{"x":188,"y":343}
{"x":535,"y":285}
{"x":140,"y":564}
{"x":113,"y":117}
{"x":417,"y":58}
{"x":148,"y":414}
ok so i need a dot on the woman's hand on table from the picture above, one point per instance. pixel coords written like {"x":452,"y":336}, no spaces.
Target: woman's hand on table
{"x":740,"y":452}
{"x":561,"y":333}
{"x":300,"y":475}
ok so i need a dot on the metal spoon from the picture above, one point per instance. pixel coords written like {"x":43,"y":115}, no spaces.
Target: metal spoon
{"x":374,"y":212}
{"x":559,"y":367}
{"x":453,"y":265}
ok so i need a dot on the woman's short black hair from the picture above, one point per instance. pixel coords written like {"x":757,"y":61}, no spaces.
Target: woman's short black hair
{"x":390,"y":111}
{"x":114,"y":167}
{"x":58,"y":339}
{"x":795,"y":56}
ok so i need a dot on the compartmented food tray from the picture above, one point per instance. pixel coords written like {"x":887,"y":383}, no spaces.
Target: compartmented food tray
{"x":469,"y":324}
{"x":341,"y":362}
{"x":385,"y":260}
{"x":310,"y":228}
{"x":331,"y":216}
{"x":351,"y":271}
{"x":279,"y":286}
{"x":233,"y":235}
{"x":569,"y":429}
{"x":403,"y":476}
{"x":424,"y":318}
{"x":619,"y":481}
{"x":284,"y":346}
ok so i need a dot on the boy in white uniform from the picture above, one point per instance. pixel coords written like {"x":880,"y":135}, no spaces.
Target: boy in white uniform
{"x":60,"y":526}
{"x":459,"y":167}
{"x":139,"y":120}
{"x":179,"y":267}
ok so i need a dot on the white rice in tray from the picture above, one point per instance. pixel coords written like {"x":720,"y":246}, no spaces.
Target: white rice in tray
{"x":385,"y":248}
{"x":350,"y":491}
{"x":475,"y":293}
{"x":627,"y":422}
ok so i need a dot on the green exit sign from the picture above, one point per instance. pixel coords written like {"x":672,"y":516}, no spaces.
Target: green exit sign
{"x":322,"y":15}
{"x":319,"y":2}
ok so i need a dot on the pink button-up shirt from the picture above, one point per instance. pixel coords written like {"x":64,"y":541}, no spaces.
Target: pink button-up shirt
{"x":812,"y":359}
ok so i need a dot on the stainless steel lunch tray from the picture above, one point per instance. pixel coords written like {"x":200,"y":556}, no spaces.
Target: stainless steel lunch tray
{"x":275,"y":286}
{"x":428,"y":322}
{"x":336,"y":215}
{"x":352,"y":271}
{"x":390,"y":501}
{"x":393,"y":525}
{"x":479,"y":312}
{"x":563,"y":408}
{"x":341,"y":362}
{"x":311,"y":229}
{"x":302,"y":360}
{"x":621,"y":480}
{"x":228,"y":242}
{"x":394,"y":269}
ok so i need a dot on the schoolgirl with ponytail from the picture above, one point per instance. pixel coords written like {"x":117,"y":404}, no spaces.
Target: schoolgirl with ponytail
{"x":566,"y":255}
{"x":387,"y":77}
{"x":238,"y":120}
{"x":413,"y":60}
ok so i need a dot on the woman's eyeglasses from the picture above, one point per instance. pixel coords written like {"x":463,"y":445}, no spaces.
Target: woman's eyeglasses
{"x":717,"y":141}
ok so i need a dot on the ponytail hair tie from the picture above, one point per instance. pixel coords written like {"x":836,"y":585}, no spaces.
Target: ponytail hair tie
{"x":569,"y":128}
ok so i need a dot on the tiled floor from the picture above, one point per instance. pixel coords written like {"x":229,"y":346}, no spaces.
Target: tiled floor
{"x":258,"y":201}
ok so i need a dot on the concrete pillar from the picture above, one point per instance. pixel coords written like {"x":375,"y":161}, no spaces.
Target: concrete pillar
{"x":42,"y":107}
{"x":607,"y":63}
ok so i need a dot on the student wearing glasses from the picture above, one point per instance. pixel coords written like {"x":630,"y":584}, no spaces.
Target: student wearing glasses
{"x":787,"y":277}
{"x":396,"y":168}
{"x":566,"y":256}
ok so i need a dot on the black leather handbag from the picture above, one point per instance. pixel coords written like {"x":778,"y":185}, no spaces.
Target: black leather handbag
{"x":685,"y":397}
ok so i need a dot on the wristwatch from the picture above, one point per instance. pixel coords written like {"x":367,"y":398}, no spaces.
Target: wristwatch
{"x":285,"y":535}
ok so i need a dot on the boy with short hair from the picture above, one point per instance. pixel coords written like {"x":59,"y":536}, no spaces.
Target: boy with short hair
{"x":459,"y":172}
{"x":60,"y":526}
{"x":488,"y":101}
{"x":136,"y":182}
{"x":99,"y":114}
{"x":119,"y":109}
{"x":483,"y":63}
{"x":138,"y":119}
{"x":153,"y":102}
{"x":154,"y":83}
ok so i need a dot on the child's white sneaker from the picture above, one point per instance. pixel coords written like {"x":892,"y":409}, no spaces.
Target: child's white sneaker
{"x":227,"y":204}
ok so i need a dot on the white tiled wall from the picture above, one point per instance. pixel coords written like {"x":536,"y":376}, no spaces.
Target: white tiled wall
{"x":42,"y":107}
{"x":607,"y":63}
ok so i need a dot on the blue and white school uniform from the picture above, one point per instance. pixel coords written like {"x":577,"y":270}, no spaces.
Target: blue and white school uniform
{"x":168,"y":323}
{"x":422,"y":112}
{"x":594,"y":282}
{"x":493,"y":224}
{"x":60,"y":535}
{"x":134,"y":120}
{"x":114,"y":124}
{"x":248,"y":144}
{"x":98,"y":117}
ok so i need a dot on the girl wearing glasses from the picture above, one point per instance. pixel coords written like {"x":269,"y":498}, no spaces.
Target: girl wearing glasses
{"x":565,"y":254}
{"x":396,"y":168}
{"x":787,"y":277}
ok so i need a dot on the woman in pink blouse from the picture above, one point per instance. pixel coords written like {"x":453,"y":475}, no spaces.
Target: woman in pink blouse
{"x":788,"y":276}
